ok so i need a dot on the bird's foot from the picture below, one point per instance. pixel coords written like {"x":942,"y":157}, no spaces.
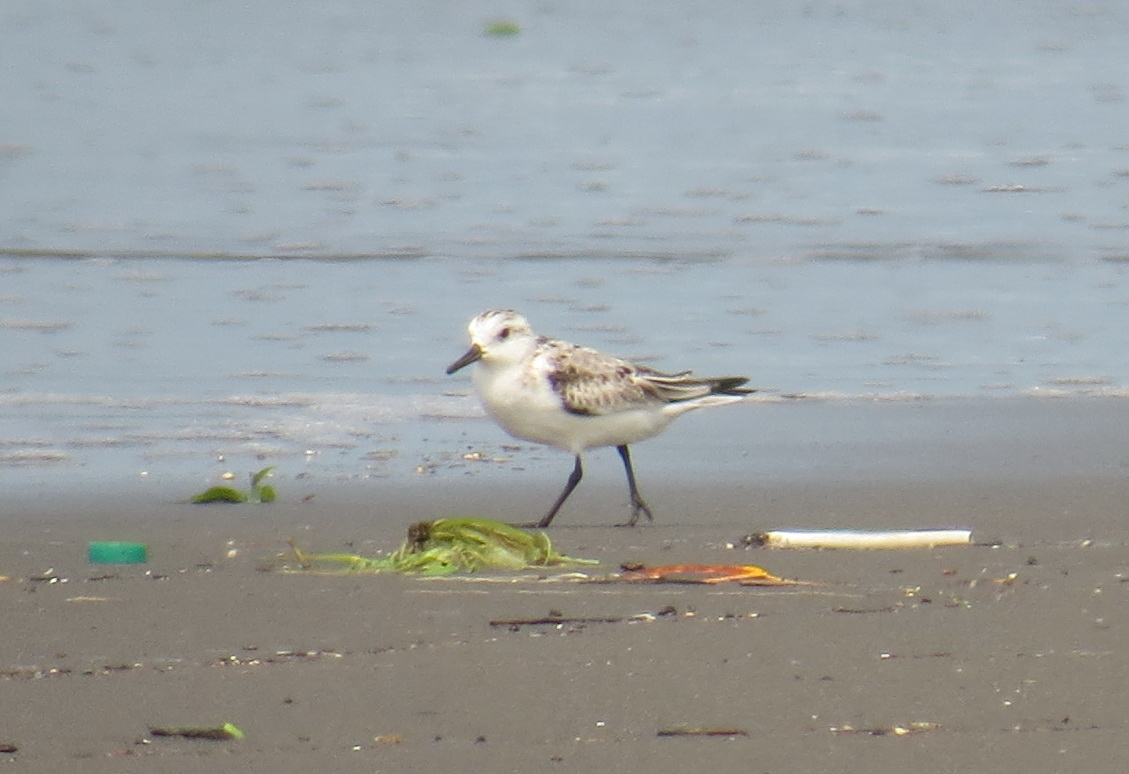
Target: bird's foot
{"x":637,"y":507}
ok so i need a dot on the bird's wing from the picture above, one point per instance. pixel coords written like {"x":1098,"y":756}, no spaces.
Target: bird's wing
{"x":590,"y":382}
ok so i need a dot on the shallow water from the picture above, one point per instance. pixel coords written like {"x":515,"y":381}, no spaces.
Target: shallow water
{"x":763,"y":130}
{"x":849,"y":200}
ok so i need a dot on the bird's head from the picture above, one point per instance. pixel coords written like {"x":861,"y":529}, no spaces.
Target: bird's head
{"x":496,"y":336}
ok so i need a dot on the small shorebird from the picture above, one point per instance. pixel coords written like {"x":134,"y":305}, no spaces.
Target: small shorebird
{"x":573,"y":398}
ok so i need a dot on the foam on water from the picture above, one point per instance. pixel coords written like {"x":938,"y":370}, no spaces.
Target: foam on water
{"x":205,"y":362}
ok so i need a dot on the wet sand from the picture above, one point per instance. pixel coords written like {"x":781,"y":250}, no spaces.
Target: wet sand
{"x":1010,"y":657}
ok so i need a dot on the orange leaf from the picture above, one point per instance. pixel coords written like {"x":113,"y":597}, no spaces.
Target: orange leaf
{"x":704,"y":573}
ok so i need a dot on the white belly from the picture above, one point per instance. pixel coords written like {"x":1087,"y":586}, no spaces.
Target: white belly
{"x":575,"y":433}
{"x":533,"y":412}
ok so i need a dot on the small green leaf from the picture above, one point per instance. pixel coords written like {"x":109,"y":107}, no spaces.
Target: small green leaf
{"x":265,"y":493}
{"x":256,"y":478}
{"x":220,"y":494}
{"x":233,"y":730}
{"x":503,"y":28}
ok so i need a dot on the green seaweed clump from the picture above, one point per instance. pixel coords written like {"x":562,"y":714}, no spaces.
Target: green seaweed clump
{"x":447,"y":546}
{"x":259,"y":492}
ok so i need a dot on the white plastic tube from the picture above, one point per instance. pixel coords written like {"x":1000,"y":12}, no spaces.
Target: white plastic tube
{"x":858,"y":538}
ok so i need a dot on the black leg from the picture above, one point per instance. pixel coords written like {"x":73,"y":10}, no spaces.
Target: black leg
{"x":573,"y":480}
{"x":637,"y":504}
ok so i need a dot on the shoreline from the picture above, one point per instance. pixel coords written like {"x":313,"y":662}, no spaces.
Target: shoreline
{"x":472,"y":464}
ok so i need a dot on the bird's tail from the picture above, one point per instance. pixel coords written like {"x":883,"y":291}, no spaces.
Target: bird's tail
{"x":706,"y":401}
{"x":680,"y":387}
{"x":730,"y":385}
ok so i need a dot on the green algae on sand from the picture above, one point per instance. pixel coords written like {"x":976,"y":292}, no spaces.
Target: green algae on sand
{"x":448,"y":546}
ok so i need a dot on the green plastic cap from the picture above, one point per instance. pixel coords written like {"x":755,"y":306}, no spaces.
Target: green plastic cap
{"x":114,"y":552}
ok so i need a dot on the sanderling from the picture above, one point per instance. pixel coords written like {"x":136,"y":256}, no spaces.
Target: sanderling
{"x":573,"y":398}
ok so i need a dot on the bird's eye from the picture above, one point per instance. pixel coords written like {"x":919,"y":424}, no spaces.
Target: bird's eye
{"x":504,"y":333}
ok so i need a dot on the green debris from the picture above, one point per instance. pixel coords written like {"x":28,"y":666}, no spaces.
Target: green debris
{"x":220,"y":494}
{"x":259,"y":492}
{"x":502,"y":28}
{"x":226,"y":732}
{"x":447,"y":546}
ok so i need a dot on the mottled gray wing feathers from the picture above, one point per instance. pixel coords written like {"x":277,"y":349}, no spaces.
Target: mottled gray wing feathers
{"x":673,"y":388}
{"x":590,"y":382}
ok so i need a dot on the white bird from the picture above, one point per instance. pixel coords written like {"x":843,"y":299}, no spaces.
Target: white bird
{"x":574,"y":398}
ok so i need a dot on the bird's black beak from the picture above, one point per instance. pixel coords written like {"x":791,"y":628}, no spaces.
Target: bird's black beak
{"x":472,"y":354}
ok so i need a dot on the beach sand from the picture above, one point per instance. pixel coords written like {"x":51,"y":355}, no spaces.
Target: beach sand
{"x":999,"y":657}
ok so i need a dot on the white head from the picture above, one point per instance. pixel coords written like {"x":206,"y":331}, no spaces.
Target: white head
{"x":497,"y":336}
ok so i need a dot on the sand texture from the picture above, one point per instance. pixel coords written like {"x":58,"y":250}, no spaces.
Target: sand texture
{"x":1000,"y":657}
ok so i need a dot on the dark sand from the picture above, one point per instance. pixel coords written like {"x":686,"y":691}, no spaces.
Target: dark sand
{"x":1014,"y":656}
